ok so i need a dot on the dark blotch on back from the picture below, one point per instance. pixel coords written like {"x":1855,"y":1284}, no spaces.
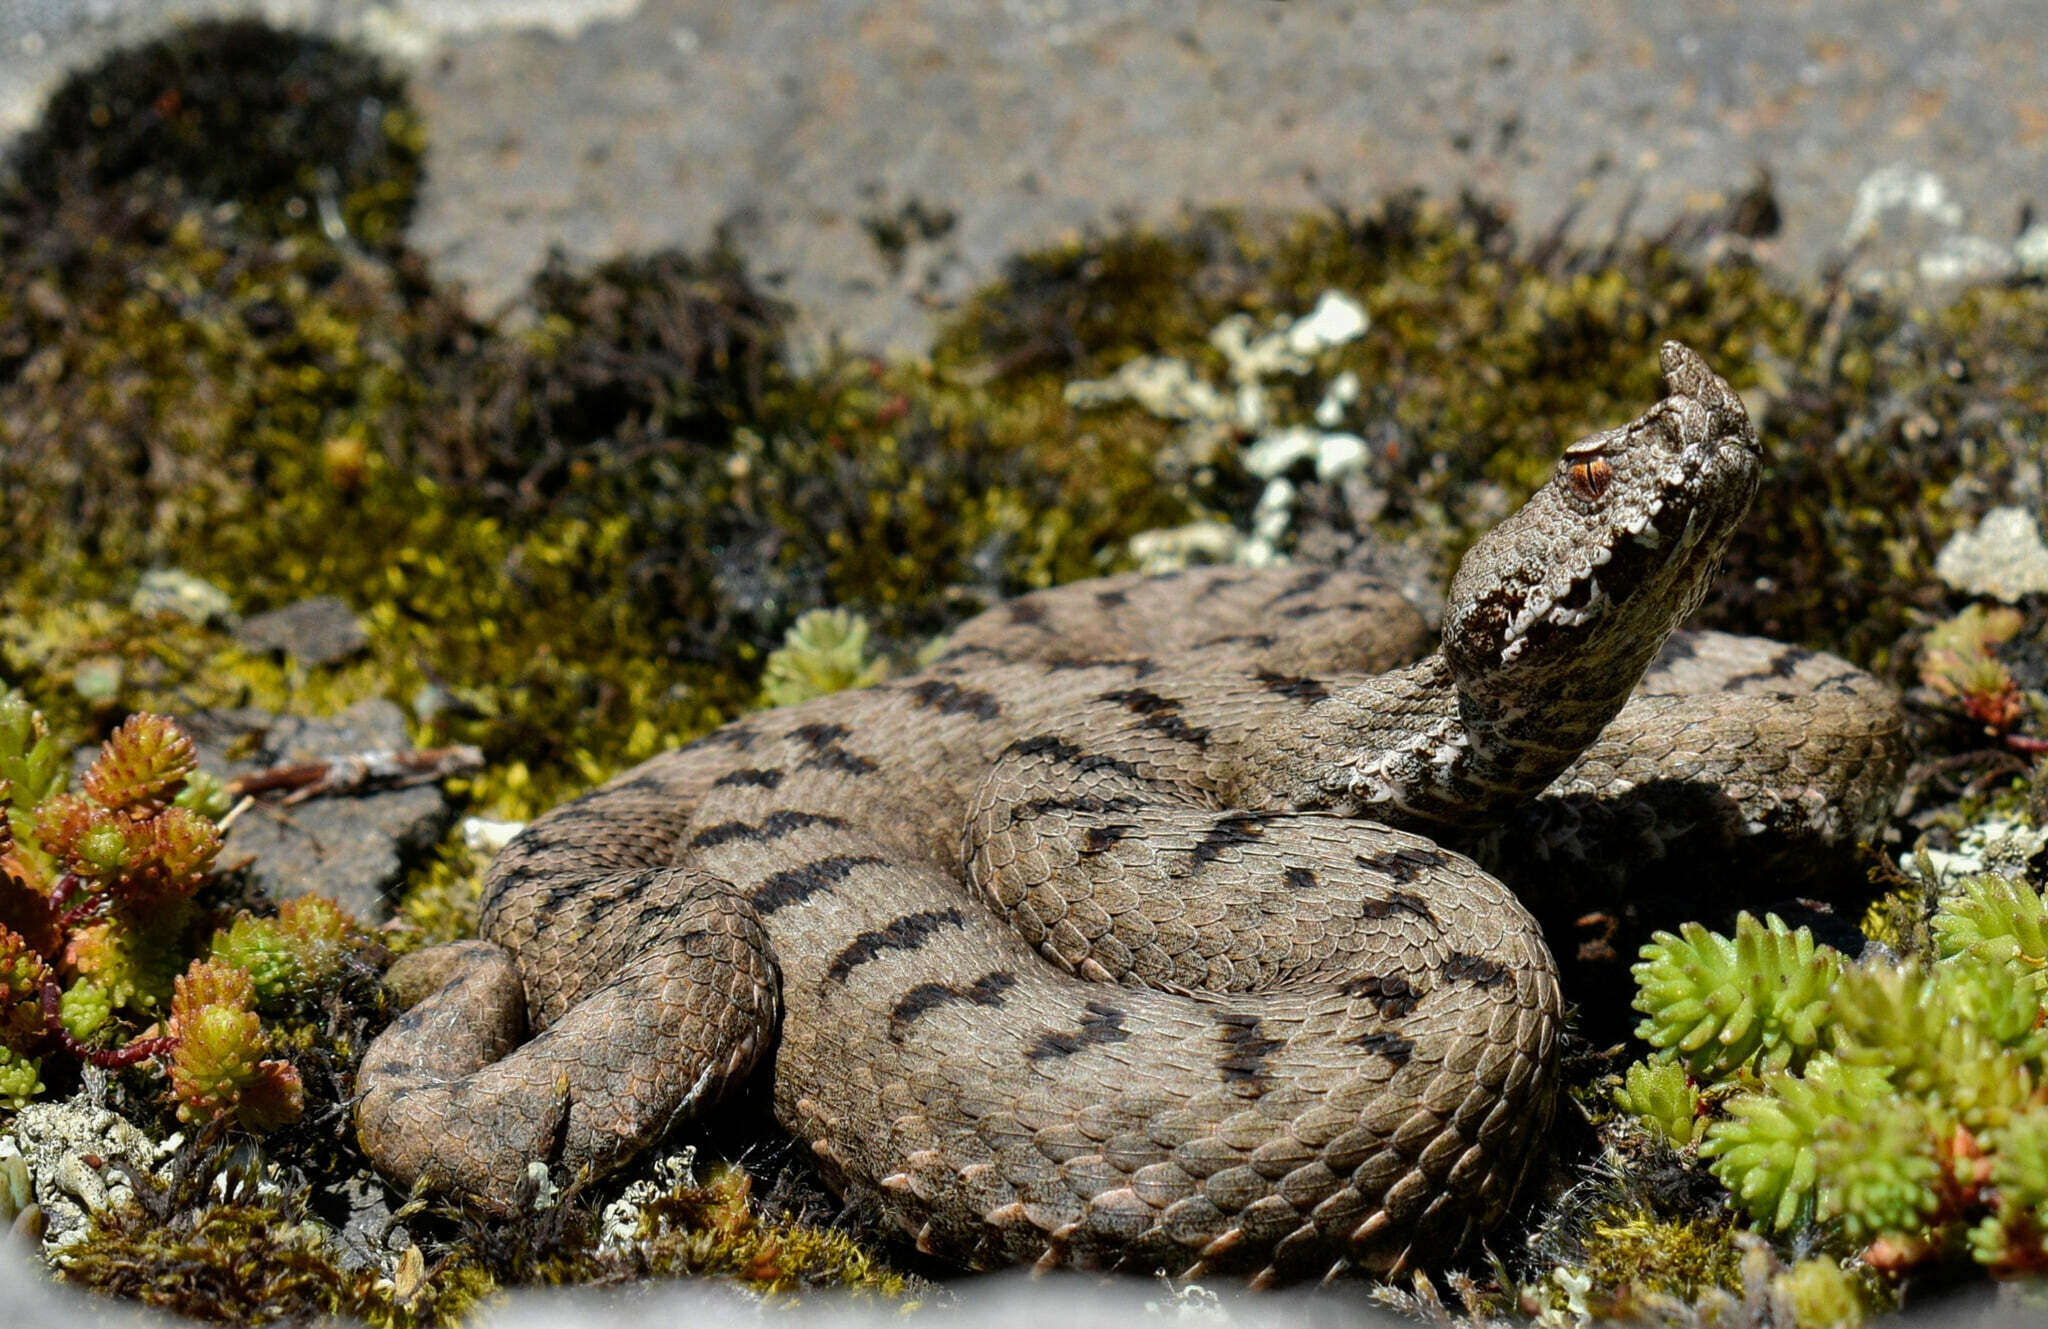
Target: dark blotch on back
{"x":1308,"y":583}
{"x":1159,"y":713}
{"x":774,"y":827}
{"x":826,"y":753}
{"x":1402,"y":866}
{"x":925,"y":998}
{"x":1301,"y":879}
{"x":971,"y":649}
{"x":1390,"y":994}
{"x":903,"y":934}
{"x":1048,"y":745}
{"x":1138,"y":665}
{"x":1141,"y":701}
{"x":1029,"y":613}
{"x":738,"y":737}
{"x":1245,"y":1047}
{"x":1102,"y":837}
{"x":1090,"y":803}
{"x":748,"y":777}
{"x":1391,"y":1046}
{"x":1462,"y":966}
{"x":839,"y":759}
{"x":1397,"y":902}
{"x":952,"y":699}
{"x":1230,"y":831}
{"x":795,"y":885}
{"x":1100,"y":1023}
{"x":1782,"y":665}
{"x":1293,"y":687}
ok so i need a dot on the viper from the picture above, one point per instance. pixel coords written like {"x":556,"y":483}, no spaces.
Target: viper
{"x":1134,"y":931}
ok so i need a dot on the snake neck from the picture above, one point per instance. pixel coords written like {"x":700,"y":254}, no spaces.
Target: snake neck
{"x":1413,"y":749}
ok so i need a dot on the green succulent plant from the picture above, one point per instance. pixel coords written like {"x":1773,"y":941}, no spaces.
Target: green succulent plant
{"x":1902,"y":1104}
{"x":1663,"y":1096}
{"x":1719,"y":1005}
{"x":825,"y":651}
{"x":99,"y":911}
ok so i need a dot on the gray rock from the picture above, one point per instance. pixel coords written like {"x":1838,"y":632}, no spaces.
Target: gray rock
{"x":2003,"y":558}
{"x":353,"y":848}
{"x":811,"y":129}
{"x":319,"y":631}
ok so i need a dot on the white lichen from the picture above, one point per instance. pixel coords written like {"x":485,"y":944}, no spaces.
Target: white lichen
{"x":71,"y":1148}
{"x":2003,"y":558}
{"x":2000,"y":845}
{"x":623,"y":1220}
{"x":1215,"y":416}
{"x":486,"y":837}
{"x":1910,"y":191}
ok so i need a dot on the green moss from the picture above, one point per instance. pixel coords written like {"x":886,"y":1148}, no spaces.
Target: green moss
{"x":237,"y":1264}
{"x":1483,"y":359}
{"x":440,"y":904}
{"x":1630,"y":1253}
{"x":1898,"y":425}
{"x":1821,"y":1295}
{"x":299,"y":133}
{"x":714,"y":1228}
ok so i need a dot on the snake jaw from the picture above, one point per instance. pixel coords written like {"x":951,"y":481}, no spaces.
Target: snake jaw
{"x":1609,"y":555}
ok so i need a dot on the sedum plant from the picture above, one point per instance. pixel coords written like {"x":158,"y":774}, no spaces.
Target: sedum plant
{"x":825,"y":651}
{"x":107,"y":954}
{"x":1721,"y":1005}
{"x":1902,"y":1105}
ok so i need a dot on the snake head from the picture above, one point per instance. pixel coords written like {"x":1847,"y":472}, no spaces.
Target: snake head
{"x":1573,"y":594}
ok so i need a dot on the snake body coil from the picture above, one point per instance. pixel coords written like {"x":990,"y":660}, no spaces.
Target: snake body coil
{"x":1125,"y":934}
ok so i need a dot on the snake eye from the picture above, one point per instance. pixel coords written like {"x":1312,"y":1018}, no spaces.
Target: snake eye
{"x":1590,"y":479}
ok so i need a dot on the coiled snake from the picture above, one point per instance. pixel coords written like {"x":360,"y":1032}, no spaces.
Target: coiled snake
{"x":1125,"y":934}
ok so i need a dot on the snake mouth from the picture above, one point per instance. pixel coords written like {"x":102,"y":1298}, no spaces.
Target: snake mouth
{"x":1619,"y":545}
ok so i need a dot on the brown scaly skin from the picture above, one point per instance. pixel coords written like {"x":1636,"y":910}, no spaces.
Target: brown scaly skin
{"x":1245,"y":1014}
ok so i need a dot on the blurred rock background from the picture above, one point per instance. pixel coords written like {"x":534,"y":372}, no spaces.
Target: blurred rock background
{"x":879,"y":158}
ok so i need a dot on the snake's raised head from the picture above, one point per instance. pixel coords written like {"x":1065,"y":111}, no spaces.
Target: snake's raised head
{"x":1574,"y":594}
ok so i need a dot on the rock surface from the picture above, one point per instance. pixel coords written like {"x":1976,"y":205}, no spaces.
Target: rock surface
{"x":320,"y":631}
{"x":351,"y":849}
{"x":882,"y":157}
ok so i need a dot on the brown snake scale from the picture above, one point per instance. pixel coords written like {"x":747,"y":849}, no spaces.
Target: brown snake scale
{"x":1125,"y":934}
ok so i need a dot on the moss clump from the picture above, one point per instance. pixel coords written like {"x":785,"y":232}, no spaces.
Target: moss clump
{"x":714,"y":1228}
{"x":253,"y":1264}
{"x":298,"y":133}
{"x":1894,"y":427}
{"x":256,"y":1263}
{"x":1631,"y":1253}
{"x":573,"y":543}
{"x":1484,"y":357}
